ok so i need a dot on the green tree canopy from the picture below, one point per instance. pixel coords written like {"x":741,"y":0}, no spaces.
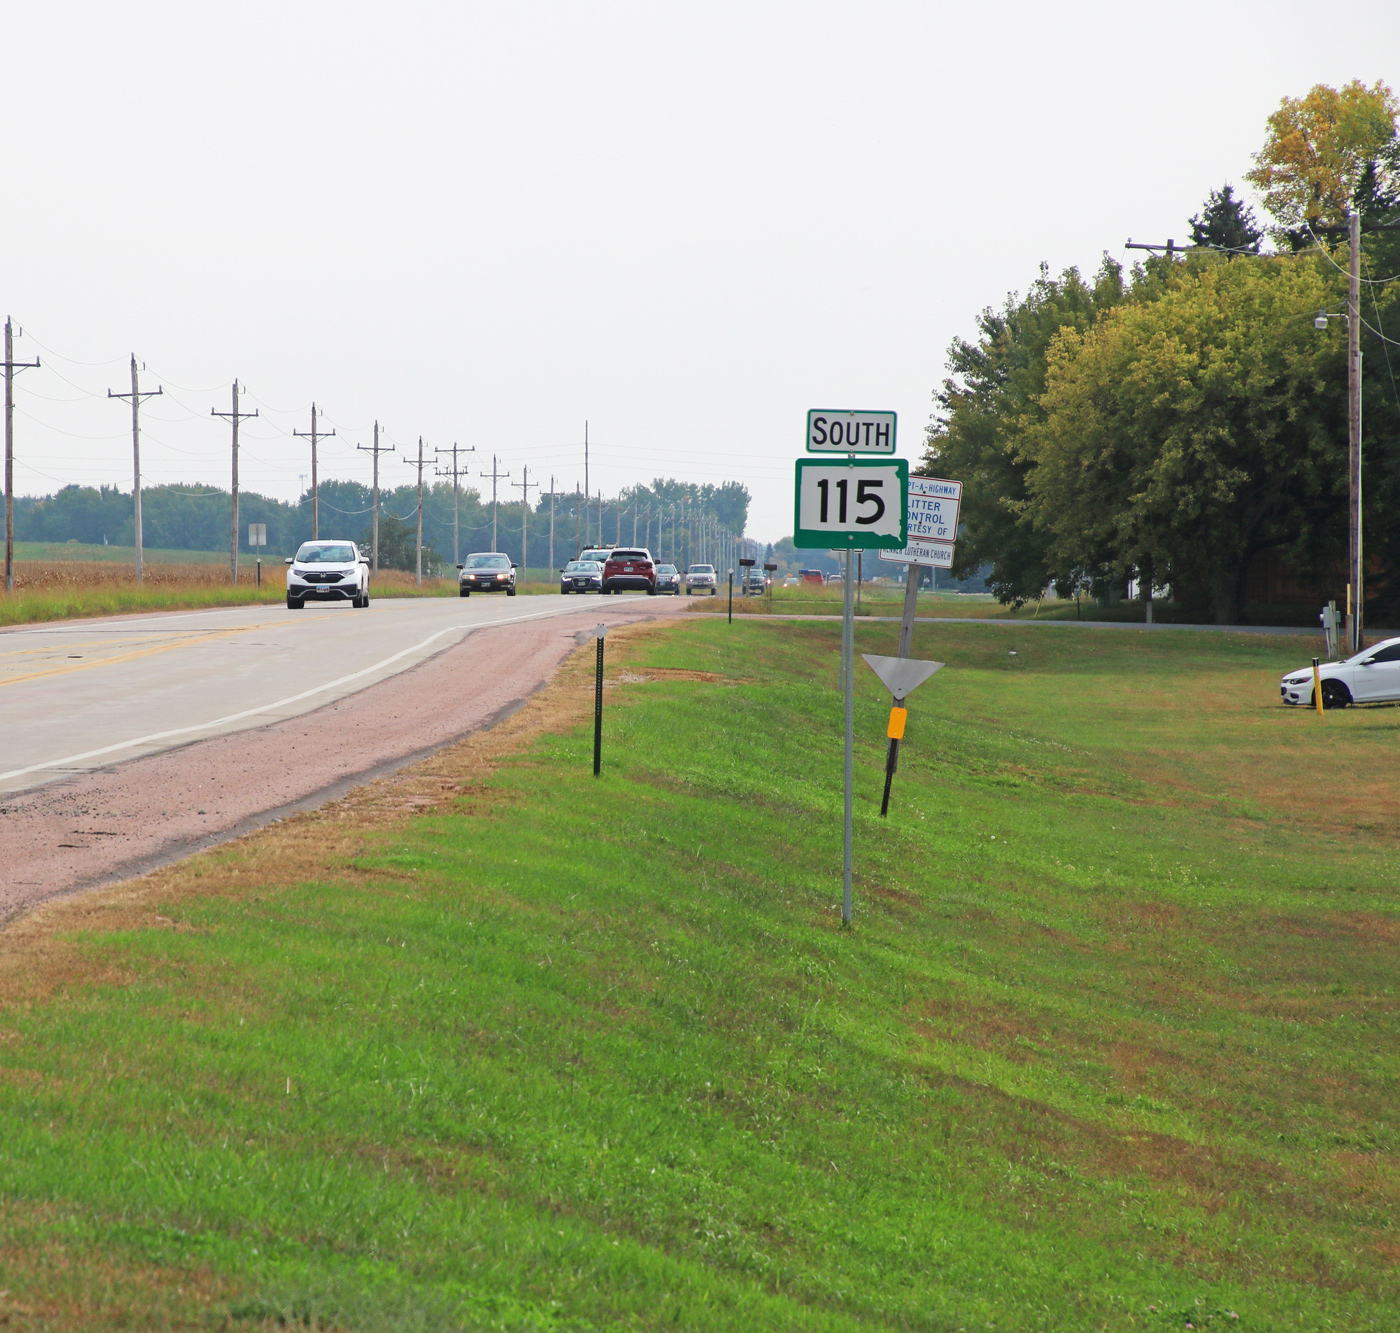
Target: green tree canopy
{"x":1323,"y":147}
{"x":1189,"y":432}
{"x":989,"y":398}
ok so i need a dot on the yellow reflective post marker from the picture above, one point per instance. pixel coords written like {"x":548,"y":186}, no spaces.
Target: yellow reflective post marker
{"x":898,"y":717}
{"x":1317,"y":687}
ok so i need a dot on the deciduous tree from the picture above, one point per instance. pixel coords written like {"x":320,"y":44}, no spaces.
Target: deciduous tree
{"x":1318,"y":151}
{"x":991,"y":394}
{"x":1197,"y":429}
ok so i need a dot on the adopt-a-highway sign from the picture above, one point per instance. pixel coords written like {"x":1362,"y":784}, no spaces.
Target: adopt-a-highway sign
{"x":933,"y":523}
{"x":853,"y":504}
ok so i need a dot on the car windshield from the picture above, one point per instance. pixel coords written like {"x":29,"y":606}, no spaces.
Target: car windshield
{"x":665,"y":569}
{"x":630,"y":555}
{"x":326,"y":553}
{"x":597,"y":553}
{"x":487,"y":562}
{"x":581,"y":567}
{"x":702,"y":569}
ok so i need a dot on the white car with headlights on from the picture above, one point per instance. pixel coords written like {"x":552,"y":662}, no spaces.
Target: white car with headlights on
{"x":327,"y":571}
{"x":1371,"y":677}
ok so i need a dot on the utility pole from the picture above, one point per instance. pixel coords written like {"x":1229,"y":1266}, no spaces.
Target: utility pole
{"x":586,"y":542}
{"x":419,"y":465}
{"x":551,"y":525}
{"x":315,"y":498}
{"x":455,"y":472}
{"x":374,"y":528}
{"x":525,"y":484}
{"x":235,"y":416}
{"x":1356,"y":568}
{"x":1170,"y":249}
{"x":496,"y":475}
{"x":136,"y":396}
{"x":578,"y":521}
{"x":11,"y":365}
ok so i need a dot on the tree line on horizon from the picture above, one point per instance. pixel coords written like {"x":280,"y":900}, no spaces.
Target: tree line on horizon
{"x":196,"y":518}
{"x":1174,"y":422}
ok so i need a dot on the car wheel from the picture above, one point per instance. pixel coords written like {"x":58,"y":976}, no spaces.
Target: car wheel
{"x":463,"y":592}
{"x":510,"y":592}
{"x":295,"y":603}
{"x":651,"y":592}
{"x":364,"y":600}
{"x":1334,"y":695}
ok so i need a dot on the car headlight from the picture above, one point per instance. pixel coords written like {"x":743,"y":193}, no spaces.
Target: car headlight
{"x":500,"y":576}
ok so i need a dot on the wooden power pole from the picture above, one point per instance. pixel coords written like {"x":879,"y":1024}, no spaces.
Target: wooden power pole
{"x":314,"y":436}
{"x":376,"y":450}
{"x":11,"y":365}
{"x":496,"y":475}
{"x":455,"y":473}
{"x":525,"y":485}
{"x":1355,"y":571}
{"x":136,"y":396}
{"x":419,"y":465}
{"x":234,"y":416}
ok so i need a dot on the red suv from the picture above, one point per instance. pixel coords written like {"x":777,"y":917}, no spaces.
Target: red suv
{"x":630,"y":567}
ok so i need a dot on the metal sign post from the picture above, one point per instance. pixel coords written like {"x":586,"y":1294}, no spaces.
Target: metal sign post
{"x":853,"y":504}
{"x":602,"y":634}
{"x":848,"y":646}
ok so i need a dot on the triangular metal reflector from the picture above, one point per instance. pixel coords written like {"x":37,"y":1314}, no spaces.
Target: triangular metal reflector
{"x":901,"y":675}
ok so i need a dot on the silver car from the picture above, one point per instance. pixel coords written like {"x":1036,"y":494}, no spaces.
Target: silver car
{"x":327,"y":571}
{"x":700,"y":577}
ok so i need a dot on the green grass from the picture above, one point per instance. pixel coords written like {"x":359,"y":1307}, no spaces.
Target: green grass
{"x":116,"y":554}
{"x":1112,"y":1046}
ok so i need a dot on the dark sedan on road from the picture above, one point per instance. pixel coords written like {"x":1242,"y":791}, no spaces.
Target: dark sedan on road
{"x":581,"y":576}
{"x":486,"y":571}
{"x":668,"y":579}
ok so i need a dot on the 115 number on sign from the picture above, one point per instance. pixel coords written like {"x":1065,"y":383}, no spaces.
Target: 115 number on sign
{"x":859,"y":504}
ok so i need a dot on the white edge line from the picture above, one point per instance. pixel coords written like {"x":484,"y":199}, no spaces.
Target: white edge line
{"x":267,"y":708}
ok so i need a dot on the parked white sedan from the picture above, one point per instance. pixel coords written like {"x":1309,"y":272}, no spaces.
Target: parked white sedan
{"x":1371,"y":677}
{"x":335,"y":571}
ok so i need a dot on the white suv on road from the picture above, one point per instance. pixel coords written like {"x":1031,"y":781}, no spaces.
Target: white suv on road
{"x":700,"y":576}
{"x":327,"y":571}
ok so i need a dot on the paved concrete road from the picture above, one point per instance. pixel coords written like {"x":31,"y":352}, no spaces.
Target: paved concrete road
{"x":81,"y":695}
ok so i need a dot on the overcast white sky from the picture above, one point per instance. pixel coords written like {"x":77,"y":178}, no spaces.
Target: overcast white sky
{"x":488,"y":222}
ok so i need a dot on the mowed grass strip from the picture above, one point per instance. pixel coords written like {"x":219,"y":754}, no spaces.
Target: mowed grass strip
{"x":75,"y":589}
{"x":497,"y":1045}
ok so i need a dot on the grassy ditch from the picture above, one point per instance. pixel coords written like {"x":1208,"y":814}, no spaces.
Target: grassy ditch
{"x":494,"y":1045}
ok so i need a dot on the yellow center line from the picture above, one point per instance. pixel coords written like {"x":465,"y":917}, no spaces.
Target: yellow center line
{"x":189,"y":640}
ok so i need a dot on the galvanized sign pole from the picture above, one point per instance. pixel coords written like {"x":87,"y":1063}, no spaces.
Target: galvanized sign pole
{"x":848,"y":646}
{"x":851,"y":504}
{"x":601,"y":632}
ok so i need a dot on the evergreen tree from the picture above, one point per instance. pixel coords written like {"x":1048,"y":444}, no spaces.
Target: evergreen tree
{"x":1226,"y":223}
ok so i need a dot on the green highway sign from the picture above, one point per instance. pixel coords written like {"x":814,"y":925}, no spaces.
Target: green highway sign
{"x":853,"y":504}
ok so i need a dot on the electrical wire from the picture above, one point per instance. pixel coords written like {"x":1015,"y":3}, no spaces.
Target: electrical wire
{"x":72,"y":361}
{"x":1373,"y":282}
